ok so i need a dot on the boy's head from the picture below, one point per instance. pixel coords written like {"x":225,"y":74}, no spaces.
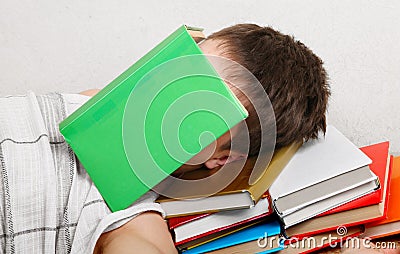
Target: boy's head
{"x":290,"y":73}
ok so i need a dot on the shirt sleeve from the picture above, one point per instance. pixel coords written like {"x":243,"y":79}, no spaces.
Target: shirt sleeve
{"x":146,"y":203}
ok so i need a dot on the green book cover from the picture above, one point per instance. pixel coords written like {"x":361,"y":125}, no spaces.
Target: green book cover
{"x":151,"y":119}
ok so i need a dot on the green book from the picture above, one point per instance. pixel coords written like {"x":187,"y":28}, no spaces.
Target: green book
{"x":151,"y":119}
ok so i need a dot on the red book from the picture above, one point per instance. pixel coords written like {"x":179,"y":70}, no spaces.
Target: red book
{"x":378,"y":153}
{"x":348,"y":218}
{"x":175,"y":222}
{"x":218,"y":223}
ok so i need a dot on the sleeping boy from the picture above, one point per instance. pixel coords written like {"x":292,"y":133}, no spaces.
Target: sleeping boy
{"x":293,"y":78}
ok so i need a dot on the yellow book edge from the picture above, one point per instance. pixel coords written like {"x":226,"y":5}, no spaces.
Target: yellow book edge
{"x":241,"y":183}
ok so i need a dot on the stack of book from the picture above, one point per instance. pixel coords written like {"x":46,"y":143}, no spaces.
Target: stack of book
{"x":390,"y":225}
{"x":328,"y":190}
{"x":198,"y":223}
{"x":308,"y":190}
{"x":351,"y":217}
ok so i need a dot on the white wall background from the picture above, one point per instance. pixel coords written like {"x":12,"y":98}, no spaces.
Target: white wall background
{"x":71,"y":45}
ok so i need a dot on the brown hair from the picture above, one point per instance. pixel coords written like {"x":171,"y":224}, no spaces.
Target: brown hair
{"x":291,"y":74}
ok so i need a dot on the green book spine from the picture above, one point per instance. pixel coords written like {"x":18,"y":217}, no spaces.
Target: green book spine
{"x":120,"y":134}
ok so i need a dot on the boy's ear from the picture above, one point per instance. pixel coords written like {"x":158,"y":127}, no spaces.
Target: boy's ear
{"x":223,"y":159}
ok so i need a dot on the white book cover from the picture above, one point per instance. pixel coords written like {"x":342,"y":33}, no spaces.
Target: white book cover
{"x":318,"y":160}
{"x":219,"y":220}
{"x":328,"y":203}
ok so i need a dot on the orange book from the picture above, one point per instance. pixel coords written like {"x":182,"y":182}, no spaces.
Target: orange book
{"x":390,"y":225}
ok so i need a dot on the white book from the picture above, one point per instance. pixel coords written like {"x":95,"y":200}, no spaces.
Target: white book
{"x":323,"y":174}
{"x":318,"y":160}
{"x":219,"y":220}
{"x":323,"y":190}
{"x":324,"y":205}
